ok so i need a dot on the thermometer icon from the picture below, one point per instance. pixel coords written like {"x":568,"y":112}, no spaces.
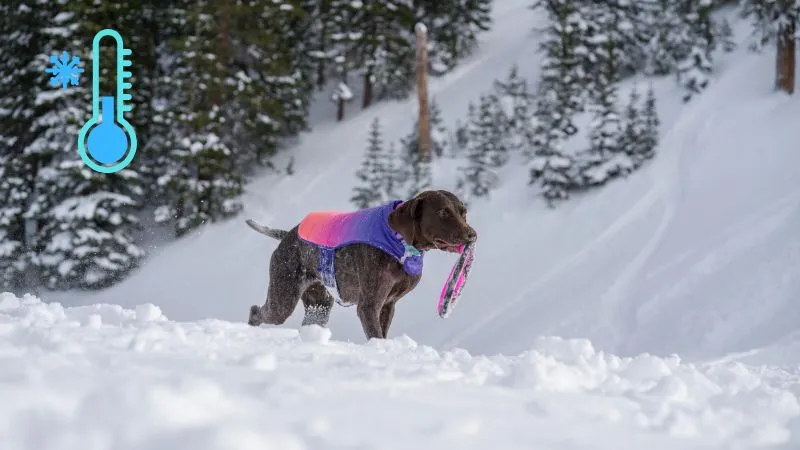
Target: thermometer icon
{"x":111,"y":142}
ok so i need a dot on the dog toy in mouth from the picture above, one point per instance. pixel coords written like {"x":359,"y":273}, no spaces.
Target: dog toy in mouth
{"x":455,"y":283}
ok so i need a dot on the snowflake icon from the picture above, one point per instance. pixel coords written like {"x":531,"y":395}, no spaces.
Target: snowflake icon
{"x":65,"y":70}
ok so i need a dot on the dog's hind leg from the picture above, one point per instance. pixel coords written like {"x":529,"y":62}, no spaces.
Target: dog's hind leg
{"x":285,"y":283}
{"x":318,"y":303}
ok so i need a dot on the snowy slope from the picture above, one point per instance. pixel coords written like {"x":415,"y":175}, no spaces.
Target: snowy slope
{"x":696,"y":254}
{"x":106,"y":378}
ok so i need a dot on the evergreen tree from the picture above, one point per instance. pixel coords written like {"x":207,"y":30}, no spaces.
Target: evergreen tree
{"x":562,"y":73}
{"x":53,"y":247}
{"x":235,"y":81}
{"x":641,"y":128}
{"x":345,"y":33}
{"x":26,"y":42}
{"x":724,"y":34}
{"x":385,"y":50}
{"x":605,"y":158}
{"x":769,"y":19}
{"x":619,"y":22}
{"x":651,"y":127}
{"x":416,"y":173}
{"x":517,"y":108}
{"x":669,"y":40}
{"x":460,"y":139}
{"x":454,"y":27}
{"x":631,"y":139}
{"x":201,"y":179}
{"x":695,"y":69}
{"x":90,"y":231}
{"x":559,"y":98}
{"x":487,"y":149}
{"x":438,"y":130}
{"x":372,"y":173}
{"x":393,"y":178}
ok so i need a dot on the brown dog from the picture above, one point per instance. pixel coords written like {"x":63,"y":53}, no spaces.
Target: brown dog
{"x":365,"y":275}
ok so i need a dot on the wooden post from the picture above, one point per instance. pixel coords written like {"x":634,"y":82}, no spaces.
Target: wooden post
{"x":422,"y":91}
{"x":786,"y":59}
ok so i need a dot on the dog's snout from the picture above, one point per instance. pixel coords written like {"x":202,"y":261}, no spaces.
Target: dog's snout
{"x":472,"y":235}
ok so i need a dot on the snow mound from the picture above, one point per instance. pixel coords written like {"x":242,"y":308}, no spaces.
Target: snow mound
{"x":104,"y":377}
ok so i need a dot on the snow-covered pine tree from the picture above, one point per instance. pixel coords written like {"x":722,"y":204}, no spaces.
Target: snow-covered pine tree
{"x":25,"y":46}
{"x":454,"y":27}
{"x":632,"y":137}
{"x":439,"y":133}
{"x":634,"y":31}
{"x":372,"y":174}
{"x":386,"y":50}
{"x":769,"y":19}
{"x":487,"y":150}
{"x":616,"y":21}
{"x":94,"y":246}
{"x":518,"y":106}
{"x":345,"y":34}
{"x":317,"y":50}
{"x":267,"y":94}
{"x":777,"y":21}
{"x":393,"y":174}
{"x":640,"y":127}
{"x":724,"y":34}
{"x":415,"y":173}
{"x":651,"y":128}
{"x":559,"y":99}
{"x":669,"y":40}
{"x":694,"y":70}
{"x":91,"y":231}
{"x":202,"y":180}
{"x":460,"y":139}
{"x":605,"y":159}
{"x":561,"y":72}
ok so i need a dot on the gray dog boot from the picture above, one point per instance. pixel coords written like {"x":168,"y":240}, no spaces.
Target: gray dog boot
{"x":317,"y":315}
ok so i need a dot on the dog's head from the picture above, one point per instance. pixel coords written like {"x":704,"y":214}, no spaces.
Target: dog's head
{"x":433,"y":220}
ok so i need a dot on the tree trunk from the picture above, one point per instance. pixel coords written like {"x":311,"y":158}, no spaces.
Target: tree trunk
{"x":422,"y":91}
{"x":367,"y":90}
{"x":786,"y":59}
{"x":340,"y":110}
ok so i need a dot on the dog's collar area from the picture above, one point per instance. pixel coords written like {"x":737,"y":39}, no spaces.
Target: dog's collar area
{"x":409,"y":250}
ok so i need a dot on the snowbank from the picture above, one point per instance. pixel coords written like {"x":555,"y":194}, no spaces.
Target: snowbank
{"x":103,"y":377}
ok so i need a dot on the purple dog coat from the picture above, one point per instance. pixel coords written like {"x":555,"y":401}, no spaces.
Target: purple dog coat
{"x":332,"y":230}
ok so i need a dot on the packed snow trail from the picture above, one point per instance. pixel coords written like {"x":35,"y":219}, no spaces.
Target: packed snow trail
{"x":105,"y":378}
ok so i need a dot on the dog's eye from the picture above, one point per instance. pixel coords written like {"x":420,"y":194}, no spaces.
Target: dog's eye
{"x":443,"y":213}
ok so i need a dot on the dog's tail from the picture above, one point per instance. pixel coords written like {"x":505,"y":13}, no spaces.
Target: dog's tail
{"x":267,"y":231}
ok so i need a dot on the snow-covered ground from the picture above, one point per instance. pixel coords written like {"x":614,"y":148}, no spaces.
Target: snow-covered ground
{"x":102,"y":377}
{"x":697,"y":254}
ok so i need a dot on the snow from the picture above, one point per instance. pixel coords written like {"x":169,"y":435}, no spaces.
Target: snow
{"x":342,"y":92}
{"x":104,"y":377}
{"x":696,"y":254}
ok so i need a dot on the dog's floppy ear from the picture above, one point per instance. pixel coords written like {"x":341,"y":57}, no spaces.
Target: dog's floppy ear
{"x":405,"y":218}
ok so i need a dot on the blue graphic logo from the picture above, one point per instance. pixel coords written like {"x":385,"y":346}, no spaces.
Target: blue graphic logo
{"x":111,"y":143}
{"x":65,"y":70}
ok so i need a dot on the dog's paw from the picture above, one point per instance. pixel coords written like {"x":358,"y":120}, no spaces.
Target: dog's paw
{"x":317,"y":315}
{"x":255,"y":316}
